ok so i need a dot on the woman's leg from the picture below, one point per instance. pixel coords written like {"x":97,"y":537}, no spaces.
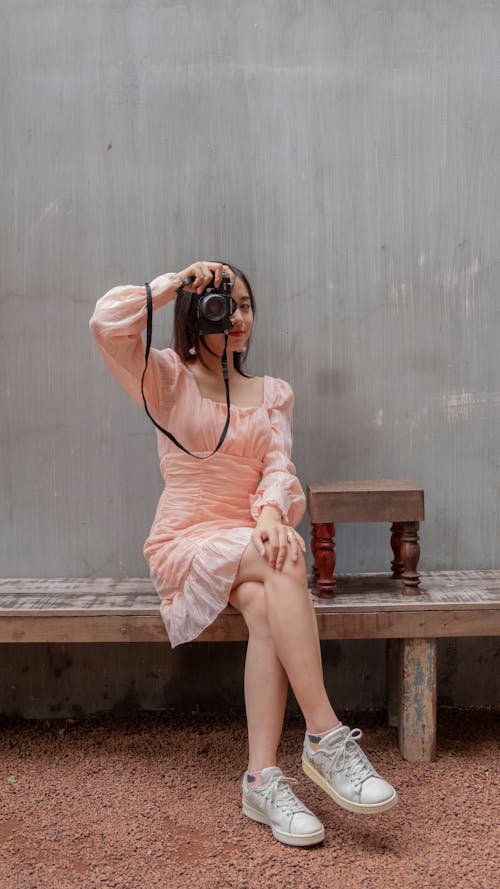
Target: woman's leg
{"x":266,"y":683}
{"x":293,"y":630}
{"x":331,"y":758}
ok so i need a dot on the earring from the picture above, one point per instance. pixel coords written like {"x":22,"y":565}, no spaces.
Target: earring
{"x":192,"y":350}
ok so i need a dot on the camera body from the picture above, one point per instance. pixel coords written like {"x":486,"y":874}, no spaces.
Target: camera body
{"x":214,"y":307}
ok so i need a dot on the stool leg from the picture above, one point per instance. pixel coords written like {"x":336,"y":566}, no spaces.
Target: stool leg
{"x":314,"y":544}
{"x":396,"y":564}
{"x":323,"y":549}
{"x":410,"y":554}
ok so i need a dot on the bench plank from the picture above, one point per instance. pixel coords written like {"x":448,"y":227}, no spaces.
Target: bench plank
{"x":367,"y":592}
{"x":122,"y":626}
{"x":367,"y":606}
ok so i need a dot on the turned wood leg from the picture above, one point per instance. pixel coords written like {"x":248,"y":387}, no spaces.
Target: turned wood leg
{"x":323,"y":549}
{"x":417,"y":713}
{"x":314,"y":570}
{"x":396,"y":564}
{"x":410,"y":554}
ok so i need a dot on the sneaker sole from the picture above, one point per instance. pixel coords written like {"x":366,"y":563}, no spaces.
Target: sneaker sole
{"x":361,"y":808}
{"x":290,"y":839}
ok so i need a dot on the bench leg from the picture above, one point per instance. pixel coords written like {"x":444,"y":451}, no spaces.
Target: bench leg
{"x":410,"y":554}
{"x":417,"y":708}
{"x":323,"y":550}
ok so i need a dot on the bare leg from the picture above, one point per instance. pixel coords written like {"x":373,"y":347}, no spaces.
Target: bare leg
{"x":266,"y":683}
{"x":293,"y":630}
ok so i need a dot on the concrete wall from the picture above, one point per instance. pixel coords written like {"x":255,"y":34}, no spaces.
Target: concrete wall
{"x":346,"y":156}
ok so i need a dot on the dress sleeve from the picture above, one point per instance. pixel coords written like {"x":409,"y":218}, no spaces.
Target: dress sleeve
{"x":119,"y":319}
{"x":279,"y":485}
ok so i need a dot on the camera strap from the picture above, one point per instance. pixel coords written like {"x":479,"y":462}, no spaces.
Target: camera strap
{"x":225,"y":374}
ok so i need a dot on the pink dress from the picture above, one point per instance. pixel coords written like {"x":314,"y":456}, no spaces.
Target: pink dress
{"x":208,"y":508}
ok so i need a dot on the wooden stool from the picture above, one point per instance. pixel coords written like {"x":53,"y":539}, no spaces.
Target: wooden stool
{"x":385,"y":500}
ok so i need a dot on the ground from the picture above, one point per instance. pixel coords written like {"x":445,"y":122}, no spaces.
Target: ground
{"x":154,"y":801}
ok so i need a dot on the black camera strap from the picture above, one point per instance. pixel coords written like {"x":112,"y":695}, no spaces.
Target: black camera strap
{"x":149,"y":330}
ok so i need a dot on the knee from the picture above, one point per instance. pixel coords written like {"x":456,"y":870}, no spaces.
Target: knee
{"x":250,"y":599}
{"x":294,"y":572}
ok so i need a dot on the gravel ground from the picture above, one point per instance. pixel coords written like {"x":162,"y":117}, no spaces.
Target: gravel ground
{"x":153,"y":801}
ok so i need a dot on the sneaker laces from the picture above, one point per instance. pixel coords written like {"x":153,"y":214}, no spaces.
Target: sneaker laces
{"x":349,"y":758}
{"x":280,"y":794}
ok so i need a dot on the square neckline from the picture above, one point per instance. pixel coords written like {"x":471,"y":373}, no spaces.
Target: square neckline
{"x":243,"y":407}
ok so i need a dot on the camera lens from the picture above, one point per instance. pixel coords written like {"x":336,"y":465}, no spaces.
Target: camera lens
{"x":213,"y":307}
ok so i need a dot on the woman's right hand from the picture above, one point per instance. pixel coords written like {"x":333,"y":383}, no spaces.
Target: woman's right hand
{"x":203,"y":273}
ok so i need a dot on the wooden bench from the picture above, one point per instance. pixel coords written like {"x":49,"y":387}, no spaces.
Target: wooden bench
{"x":398,"y":501}
{"x":463,"y":603}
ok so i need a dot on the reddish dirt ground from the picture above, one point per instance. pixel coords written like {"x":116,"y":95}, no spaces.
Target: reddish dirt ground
{"x":153,"y":801}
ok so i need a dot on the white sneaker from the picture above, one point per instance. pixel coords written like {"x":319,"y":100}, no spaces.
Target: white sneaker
{"x":275,"y":804}
{"x":338,"y":765}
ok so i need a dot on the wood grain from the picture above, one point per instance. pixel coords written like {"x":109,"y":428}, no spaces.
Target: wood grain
{"x":367,"y":606}
{"x":382,"y":500}
{"x":417,"y":702}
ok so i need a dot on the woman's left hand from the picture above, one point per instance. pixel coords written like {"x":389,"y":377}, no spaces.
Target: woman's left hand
{"x":273,"y":540}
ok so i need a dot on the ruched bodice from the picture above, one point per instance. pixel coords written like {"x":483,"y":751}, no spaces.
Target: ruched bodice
{"x":200,"y":494}
{"x":208,"y":508}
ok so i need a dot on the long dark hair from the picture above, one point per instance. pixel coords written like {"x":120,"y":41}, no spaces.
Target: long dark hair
{"x":186,"y":333}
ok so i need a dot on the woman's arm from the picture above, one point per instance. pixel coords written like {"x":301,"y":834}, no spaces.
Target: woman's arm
{"x":119,"y":319}
{"x":278,"y":503}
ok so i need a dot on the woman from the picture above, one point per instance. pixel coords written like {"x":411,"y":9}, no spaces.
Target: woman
{"x":224,"y":532}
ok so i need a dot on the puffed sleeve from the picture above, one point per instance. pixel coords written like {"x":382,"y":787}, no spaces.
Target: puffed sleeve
{"x":119,"y":319}
{"x":279,"y":485}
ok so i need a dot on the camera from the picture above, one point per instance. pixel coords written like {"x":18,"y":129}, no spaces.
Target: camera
{"x":215,"y":306}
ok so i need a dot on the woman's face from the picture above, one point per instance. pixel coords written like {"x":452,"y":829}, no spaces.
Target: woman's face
{"x":242,"y":323}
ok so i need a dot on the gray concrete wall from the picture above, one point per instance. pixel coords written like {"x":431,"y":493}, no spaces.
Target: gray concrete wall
{"x":346,"y":156}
